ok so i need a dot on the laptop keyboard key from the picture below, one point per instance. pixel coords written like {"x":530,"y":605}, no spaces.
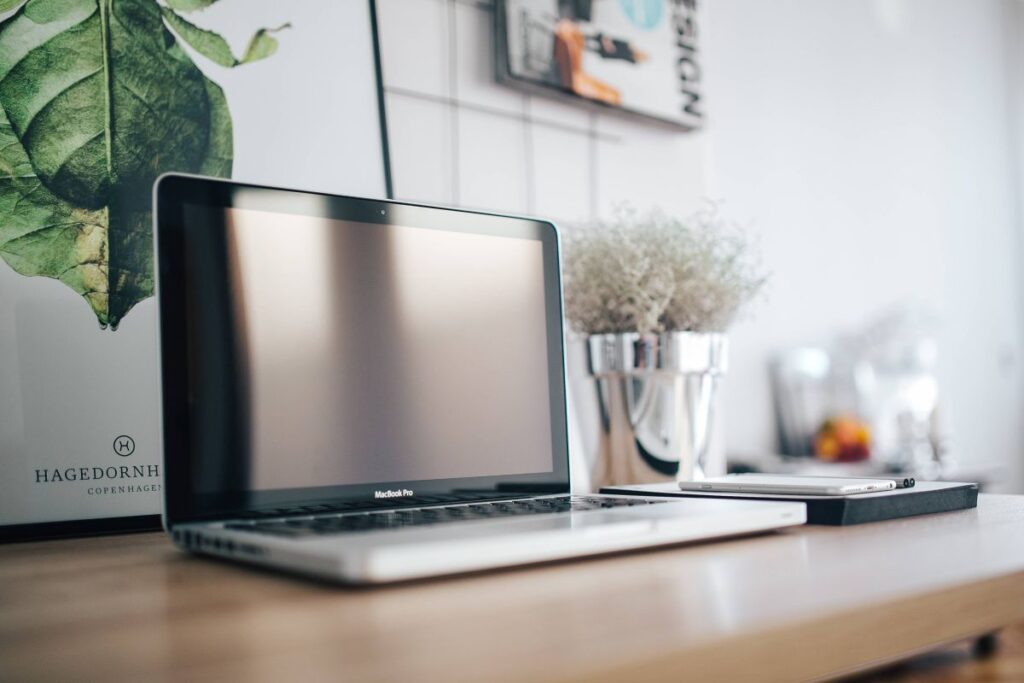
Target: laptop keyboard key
{"x":354,"y":522}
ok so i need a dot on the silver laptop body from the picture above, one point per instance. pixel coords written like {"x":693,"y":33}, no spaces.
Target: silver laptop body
{"x":368,"y":391}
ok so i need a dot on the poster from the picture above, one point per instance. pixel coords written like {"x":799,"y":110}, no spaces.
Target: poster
{"x":99,"y":97}
{"x":637,"y":56}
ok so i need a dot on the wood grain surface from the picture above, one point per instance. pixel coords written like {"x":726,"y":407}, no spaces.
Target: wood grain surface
{"x":806,"y":603}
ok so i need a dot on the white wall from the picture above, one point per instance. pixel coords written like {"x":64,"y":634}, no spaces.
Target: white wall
{"x":867,"y":142}
{"x":1013,"y":42}
{"x":458,"y":137}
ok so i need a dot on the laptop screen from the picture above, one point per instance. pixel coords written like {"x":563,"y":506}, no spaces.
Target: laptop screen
{"x":333,"y":351}
{"x":385,"y":353}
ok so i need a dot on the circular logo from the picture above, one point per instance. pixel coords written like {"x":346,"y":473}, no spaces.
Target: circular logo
{"x":124,"y":445}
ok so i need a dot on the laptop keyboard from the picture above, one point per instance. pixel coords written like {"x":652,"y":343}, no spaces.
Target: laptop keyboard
{"x":354,"y":522}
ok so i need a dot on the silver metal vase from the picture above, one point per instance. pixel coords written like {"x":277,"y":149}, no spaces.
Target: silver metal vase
{"x":655,"y":395}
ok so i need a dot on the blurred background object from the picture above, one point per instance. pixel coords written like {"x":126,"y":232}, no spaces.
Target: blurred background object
{"x":843,"y":438}
{"x":898,"y":391}
{"x":871,"y":395}
{"x":802,"y":394}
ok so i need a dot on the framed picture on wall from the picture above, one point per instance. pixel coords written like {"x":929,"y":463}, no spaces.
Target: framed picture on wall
{"x":97,"y":99}
{"x":633,"y":56}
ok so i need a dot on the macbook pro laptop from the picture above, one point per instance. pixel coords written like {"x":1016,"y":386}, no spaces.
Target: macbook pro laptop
{"x":367,"y":391}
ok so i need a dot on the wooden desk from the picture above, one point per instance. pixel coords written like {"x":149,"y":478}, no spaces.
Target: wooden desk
{"x":806,"y":603}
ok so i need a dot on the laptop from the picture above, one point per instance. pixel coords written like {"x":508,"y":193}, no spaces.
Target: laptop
{"x":367,"y":391}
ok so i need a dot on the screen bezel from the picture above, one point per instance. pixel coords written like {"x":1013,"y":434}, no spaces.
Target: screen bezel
{"x":173,"y":193}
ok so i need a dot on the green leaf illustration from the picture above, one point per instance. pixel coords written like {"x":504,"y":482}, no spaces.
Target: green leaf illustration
{"x":99,"y":99}
{"x":96,"y":98}
{"x":41,"y":235}
{"x":189,"y":5}
{"x":220,"y":155}
{"x":212,"y":46}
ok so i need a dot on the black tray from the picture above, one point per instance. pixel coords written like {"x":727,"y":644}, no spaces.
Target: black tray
{"x":923,"y":499}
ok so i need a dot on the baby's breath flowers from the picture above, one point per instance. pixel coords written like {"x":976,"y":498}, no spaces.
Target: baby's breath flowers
{"x":652,"y":273}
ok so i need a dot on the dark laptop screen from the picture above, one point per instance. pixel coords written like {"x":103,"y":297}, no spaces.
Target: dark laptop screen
{"x":378,"y":353}
{"x":333,"y":354}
